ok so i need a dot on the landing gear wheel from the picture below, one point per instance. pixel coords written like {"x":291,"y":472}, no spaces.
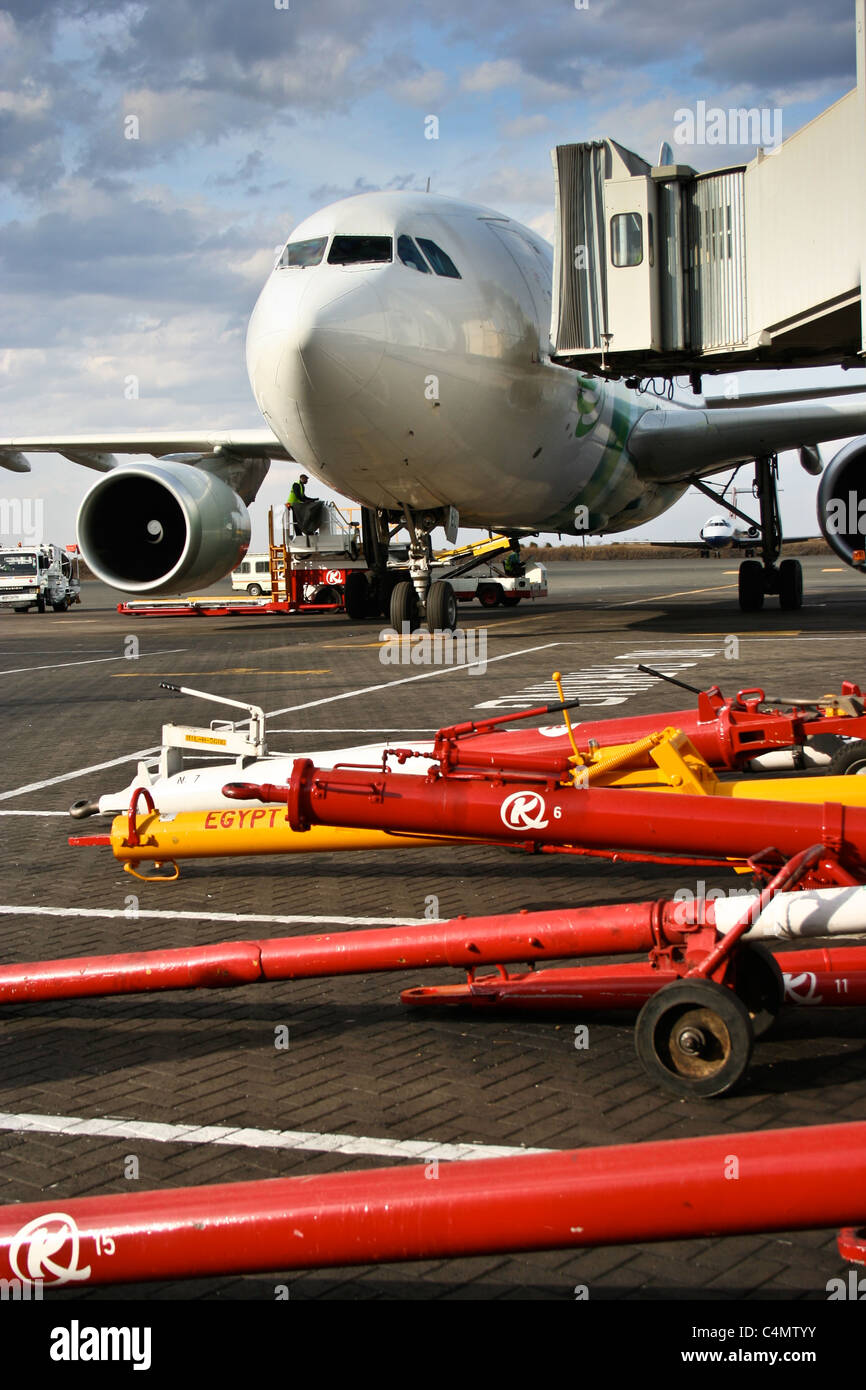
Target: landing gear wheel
{"x":751,"y":586}
{"x":510,"y":600}
{"x":404,"y":606}
{"x":441,"y":607}
{"x":760,"y":985}
{"x":385,"y":586}
{"x":790,"y":584}
{"x":694,"y":1038}
{"x":355,"y":596}
{"x":61,"y":605}
{"x":254,"y":590}
{"x":850,"y":761}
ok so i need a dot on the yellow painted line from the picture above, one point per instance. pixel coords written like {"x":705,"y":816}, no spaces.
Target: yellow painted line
{"x":495,"y":626}
{"x":227,"y":671}
{"x":681,"y":593}
{"x":838,"y":569}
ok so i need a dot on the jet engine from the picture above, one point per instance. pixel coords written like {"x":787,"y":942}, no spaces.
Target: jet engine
{"x":842,"y":504}
{"x":156,"y":528}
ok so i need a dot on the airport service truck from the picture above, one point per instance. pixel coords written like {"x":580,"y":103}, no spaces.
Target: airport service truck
{"x":38,"y":576}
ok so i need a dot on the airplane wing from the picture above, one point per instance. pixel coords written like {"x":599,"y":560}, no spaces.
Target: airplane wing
{"x":97,"y":450}
{"x":240,"y":457}
{"x":674,"y":445}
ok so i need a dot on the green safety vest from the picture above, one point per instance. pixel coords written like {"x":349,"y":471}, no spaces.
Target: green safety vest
{"x":296,"y":494}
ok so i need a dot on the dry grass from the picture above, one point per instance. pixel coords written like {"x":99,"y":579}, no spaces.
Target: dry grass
{"x":641,"y":550}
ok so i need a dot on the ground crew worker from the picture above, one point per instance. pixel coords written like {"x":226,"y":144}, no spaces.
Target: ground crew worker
{"x":306,"y":511}
{"x":512,"y":563}
{"x":298,"y":492}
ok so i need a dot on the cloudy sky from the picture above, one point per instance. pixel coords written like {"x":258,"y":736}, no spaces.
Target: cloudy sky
{"x":142,"y":257}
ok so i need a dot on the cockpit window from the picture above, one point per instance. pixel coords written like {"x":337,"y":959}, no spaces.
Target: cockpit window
{"x":410,"y":255}
{"x":354,"y":250}
{"x":304,"y":252}
{"x":440,"y":261}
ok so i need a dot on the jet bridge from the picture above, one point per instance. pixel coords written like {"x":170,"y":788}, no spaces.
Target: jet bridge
{"x":663,"y":271}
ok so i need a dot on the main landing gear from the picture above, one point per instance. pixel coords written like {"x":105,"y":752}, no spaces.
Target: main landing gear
{"x":758,"y":578}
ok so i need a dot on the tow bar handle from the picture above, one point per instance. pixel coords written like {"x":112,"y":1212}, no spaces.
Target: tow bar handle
{"x":254,"y":791}
{"x":671,"y":680}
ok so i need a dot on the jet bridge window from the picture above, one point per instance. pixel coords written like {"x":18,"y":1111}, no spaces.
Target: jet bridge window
{"x":410,"y":255}
{"x":304,"y":253}
{"x":626,"y":238}
{"x":356,"y":250}
{"x":440,"y":261}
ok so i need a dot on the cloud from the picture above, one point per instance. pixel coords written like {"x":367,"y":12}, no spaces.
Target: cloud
{"x":422,"y":88}
{"x":491,"y":75}
{"x":332,"y":193}
{"x":522,"y":126}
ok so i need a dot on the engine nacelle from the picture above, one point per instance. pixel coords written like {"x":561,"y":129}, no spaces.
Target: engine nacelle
{"x":842,"y":504}
{"x":156,"y":528}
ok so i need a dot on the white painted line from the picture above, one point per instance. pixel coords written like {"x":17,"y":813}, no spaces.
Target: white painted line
{"x":380,"y":729}
{"x":34,"y":813}
{"x":79,"y":772}
{"x":154,"y":1132}
{"x":271,"y":714}
{"x":93,"y":661}
{"x":167,"y":915}
{"x":681,"y":593}
{"x":389,"y":685}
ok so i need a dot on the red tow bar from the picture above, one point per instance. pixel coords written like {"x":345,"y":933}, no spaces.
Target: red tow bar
{"x":792,"y":1179}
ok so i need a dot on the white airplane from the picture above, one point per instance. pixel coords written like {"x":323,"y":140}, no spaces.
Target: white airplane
{"x":400,"y":352}
{"x":720,"y":533}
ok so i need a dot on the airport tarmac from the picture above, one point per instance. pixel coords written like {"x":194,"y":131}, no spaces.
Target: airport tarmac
{"x":111,"y":1095}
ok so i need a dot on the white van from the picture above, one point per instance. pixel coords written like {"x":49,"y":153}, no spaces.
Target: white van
{"x":253,"y":575}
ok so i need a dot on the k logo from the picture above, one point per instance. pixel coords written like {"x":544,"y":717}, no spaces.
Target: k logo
{"x":523,"y":811}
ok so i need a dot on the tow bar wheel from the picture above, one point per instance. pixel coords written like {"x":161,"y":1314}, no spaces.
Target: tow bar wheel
{"x":695,"y":1038}
{"x":761,"y":986}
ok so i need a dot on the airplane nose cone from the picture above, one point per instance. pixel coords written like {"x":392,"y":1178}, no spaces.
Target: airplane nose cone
{"x":333,"y":344}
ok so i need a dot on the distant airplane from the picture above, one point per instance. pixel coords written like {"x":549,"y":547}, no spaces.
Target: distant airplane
{"x":719,"y":533}
{"x":400,"y":352}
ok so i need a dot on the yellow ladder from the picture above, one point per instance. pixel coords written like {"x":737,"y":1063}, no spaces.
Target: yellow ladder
{"x":278,"y":562}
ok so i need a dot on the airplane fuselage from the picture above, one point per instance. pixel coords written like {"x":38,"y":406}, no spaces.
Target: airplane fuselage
{"x":420,"y":375}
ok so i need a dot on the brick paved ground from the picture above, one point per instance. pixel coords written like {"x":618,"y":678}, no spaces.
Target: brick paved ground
{"x":358,"y":1062}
